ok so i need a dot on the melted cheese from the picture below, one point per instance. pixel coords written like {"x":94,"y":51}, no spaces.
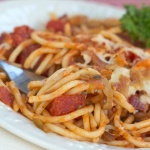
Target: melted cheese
{"x":100,"y":39}
{"x":118,"y":72}
{"x":145,"y":99}
{"x":139,"y":52}
{"x":132,"y":90}
{"x":86,"y":58}
{"x":145,"y":87}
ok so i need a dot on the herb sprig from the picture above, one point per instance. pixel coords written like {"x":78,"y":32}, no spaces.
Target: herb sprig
{"x":137,"y":23}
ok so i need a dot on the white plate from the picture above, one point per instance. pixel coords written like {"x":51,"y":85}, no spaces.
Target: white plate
{"x":36,"y":13}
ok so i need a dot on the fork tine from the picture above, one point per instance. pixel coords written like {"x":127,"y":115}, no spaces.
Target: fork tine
{"x":19,"y":76}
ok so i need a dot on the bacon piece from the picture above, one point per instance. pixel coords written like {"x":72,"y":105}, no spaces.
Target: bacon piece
{"x":96,"y":61}
{"x":136,"y":77}
{"x":20,"y":34}
{"x":5,"y":38}
{"x":5,"y":96}
{"x":146,"y":73}
{"x":143,"y":64}
{"x":121,"y":60}
{"x":123,"y":85}
{"x":106,"y":73}
{"x":26,"y":52}
{"x":66,"y":104}
{"x":131,"y":57}
{"x":136,"y":103}
{"x":76,"y":59}
{"x":55,"y":25}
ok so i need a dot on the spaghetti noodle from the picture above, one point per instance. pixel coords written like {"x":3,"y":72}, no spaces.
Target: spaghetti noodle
{"x":97,"y":85}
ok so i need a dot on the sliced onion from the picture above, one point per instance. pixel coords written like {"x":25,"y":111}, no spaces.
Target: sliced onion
{"x":136,"y":103}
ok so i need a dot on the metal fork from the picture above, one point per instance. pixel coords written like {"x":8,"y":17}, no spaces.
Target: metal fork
{"x":19,"y":76}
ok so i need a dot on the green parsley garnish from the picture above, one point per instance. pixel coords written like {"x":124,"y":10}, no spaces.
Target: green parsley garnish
{"x":137,"y":23}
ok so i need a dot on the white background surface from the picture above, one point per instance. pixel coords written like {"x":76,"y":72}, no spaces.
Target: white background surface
{"x":9,"y":141}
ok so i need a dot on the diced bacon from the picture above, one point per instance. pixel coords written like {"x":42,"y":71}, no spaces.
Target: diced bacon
{"x":121,"y":60}
{"x":106,"y":73}
{"x":76,"y":59}
{"x":136,"y":77}
{"x":136,"y":103}
{"x":66,"y":104}
{"x":20,"y":34}
{"x":143,"y":64}
{"x":131,"y":57}
{"x":55,"y":25}
{"x":123,"y":85}
{"x":5,"y":96}
{"x":26,"y":52}
{"x":96,"y":61}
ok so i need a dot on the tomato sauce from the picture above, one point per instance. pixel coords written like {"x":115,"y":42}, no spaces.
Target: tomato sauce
{"x":55,"y":25}
{"x":66,"y":104}
{"x":5,"y":96}
{"x":20,"y":34}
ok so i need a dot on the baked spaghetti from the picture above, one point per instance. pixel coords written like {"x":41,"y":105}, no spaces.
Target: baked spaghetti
{"x":97,"y":85}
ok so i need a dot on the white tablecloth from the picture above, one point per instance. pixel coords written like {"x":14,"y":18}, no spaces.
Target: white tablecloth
{"x":9,"y":141}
